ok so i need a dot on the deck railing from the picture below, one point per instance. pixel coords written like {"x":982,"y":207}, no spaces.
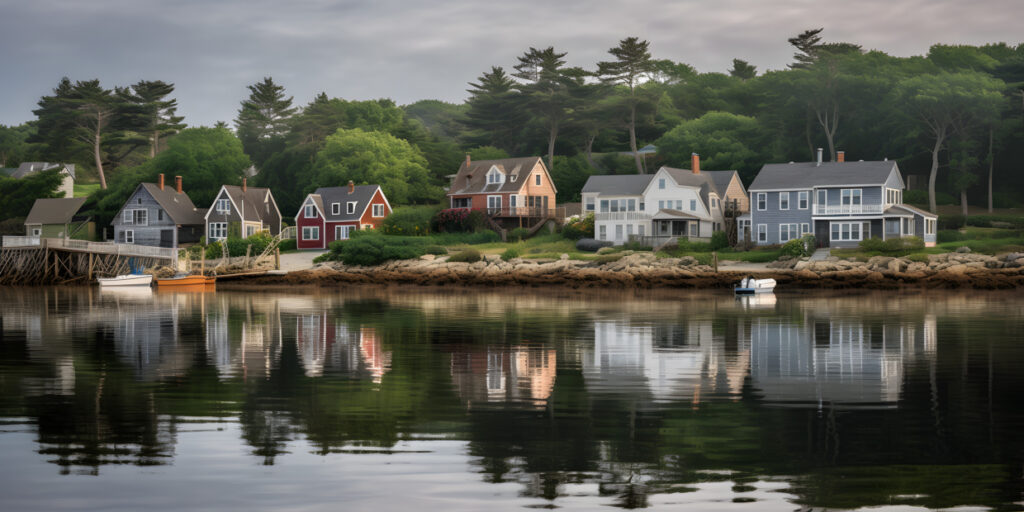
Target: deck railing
{"x":20,"y":241}
{"x":94,"y":247}
{"x":527,"y":211}
{"x":622,"y":216}
{"x":847,"y":209}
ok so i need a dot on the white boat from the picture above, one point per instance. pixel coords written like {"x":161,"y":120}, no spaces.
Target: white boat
{"x":750,"y":286}
{"x":126,"y":280}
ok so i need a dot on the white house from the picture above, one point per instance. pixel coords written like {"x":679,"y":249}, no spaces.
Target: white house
{"x":660,"y":207}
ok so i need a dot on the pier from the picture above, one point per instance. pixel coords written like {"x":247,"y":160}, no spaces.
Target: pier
{"x":28,"y":260}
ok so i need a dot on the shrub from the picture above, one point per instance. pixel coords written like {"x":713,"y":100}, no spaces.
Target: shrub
{"x":372,"y":250}
{"x":798,"y":248}
{"x":919,"y":197}
{"x":955,"y":221}
{"x":436,"y":250}
{"x":719,"y":240}
{"x":457,"y":220}
{"x":518,"y":233}
{"x":409,"y":220}
{"x":579,"y":227}
{"x":288,"y":245}
{"x":510,"y":253}
{"x":213,"y":251}
{"x":950,"y":235}
{"x":466,"y":256}
{"x":894,"y":246}
{"x":591,"y":245}
{"x":991,"y":221}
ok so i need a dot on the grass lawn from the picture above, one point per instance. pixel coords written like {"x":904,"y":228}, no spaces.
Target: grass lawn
{"x":85,"y":189}
{"x":540,"y":246}
{"x":992,"y":241}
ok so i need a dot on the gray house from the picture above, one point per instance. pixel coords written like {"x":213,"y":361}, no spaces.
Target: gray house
{"x":241,"y":212}
{"x":840,"y":203}
{"x":159,"y":216}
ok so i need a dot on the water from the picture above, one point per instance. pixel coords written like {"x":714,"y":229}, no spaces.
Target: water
{"x":390,"y":399}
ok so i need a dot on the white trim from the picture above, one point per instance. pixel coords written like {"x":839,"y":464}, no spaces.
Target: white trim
{"x":335,"y":206}
{"x":382,"y":196}
{"x":488,"y":205}
{"x":786,"y":209}
{"x":758,"y":234}
{"x":806,"y":206}
{"x":373,"y":210}
{"x":309,"y":198}
{"x":757,"y":203}
{"x":224,"y":190}
{"x":350,"y":207}
{"x":126,"y":233}
{"x":302,"y":233}
{"x":209,"y":230}
{"x":860,"y":231}
{"x":338,"y":230}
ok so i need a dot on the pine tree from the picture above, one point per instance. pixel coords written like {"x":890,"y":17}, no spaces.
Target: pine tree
{"x":263,"y":120}
{"x":742,"y":69}
{"x":631,"y":66}
{"x":492,"y":113}
{"x":549,"y":90}
{"x":150,"y":112}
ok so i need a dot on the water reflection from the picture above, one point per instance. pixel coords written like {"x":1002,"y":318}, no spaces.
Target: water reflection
{"x":660,"y":400}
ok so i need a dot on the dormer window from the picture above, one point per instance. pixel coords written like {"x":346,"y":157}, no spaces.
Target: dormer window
{"x":351,"y":207}
{"x":335,"y":208}
{"x":495,"y":177}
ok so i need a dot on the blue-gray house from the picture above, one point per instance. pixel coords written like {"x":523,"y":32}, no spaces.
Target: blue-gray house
{"x":840,"y":203}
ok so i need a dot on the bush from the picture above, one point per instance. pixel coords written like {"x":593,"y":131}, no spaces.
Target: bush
{"x":893,"y":246}
{"x":13,"y":227}
{"x":518,"y":233}
{"x":591,"y":245}
{"x":436,"y":250}
{"x":798,"y":248}
{"x":955,"y":221}
{"x":288,"y":245}
{"x":409,"y":220}
{"x":991,"y":221}
{"x":579,"y":227}
{"x":918,"y":197}
{"x":510,"y":253}
{"x":950,"y":235}
{"x":719,"y":240}
{"x":457,"y":220}
{"x":466,"y":256}
{"x":372,"y":250}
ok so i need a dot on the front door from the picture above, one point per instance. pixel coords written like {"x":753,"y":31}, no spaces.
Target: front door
{"x":166,"y":238}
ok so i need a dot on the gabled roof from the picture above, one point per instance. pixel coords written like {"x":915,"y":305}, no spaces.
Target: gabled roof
{"x":912,"y":210}
{"x":361,"y":194}
{"x":54,"y":211}
{"x":701,"y":181}
{"x":178,"y":207}
{"x":721,"y":179}
{"x":472,"y":179}
{"x":27,"y":168}
{"x":669,"y":213}
{"x":828,"y":174}
{"x":618,"y":184}
{"x":252,"y":200}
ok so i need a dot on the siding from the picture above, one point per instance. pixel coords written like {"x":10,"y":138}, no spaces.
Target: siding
{"x":301,"y":221}
{"x":893,"y":181}
{"x":773,"y":216}
{"x":735,"y":191}
{"x":368,"y":219}
{"x":144,"y":235}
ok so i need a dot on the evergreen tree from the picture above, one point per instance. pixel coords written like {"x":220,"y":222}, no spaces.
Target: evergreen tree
{"x":151,"y":112}
{"x":631,"y":66}
{"x":805,"y":45}
{"x":492,"y":116}
{"x":742,"y":69}
{"x":263,"y":120}
{"x":550,"y":91}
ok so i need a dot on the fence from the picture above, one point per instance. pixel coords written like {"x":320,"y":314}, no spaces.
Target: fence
{"x":20,"y":241}
{"x":93,"y":247}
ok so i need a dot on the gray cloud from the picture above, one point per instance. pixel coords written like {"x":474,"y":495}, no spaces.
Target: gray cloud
{"x":409,"y":50}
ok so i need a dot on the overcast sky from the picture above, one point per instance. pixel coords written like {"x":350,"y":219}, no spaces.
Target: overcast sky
{"x":409,"y":50}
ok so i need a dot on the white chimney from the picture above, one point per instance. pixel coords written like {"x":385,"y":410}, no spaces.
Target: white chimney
{"x":819,"y":156}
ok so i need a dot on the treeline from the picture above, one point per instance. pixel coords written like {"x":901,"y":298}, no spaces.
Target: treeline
{"x":955,"y":117}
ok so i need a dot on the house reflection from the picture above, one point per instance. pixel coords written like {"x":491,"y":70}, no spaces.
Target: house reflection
{"x":327,"y":345}
{"x":518,"y":374}
{"x":840,"y":361}
{"x":243,"y":336}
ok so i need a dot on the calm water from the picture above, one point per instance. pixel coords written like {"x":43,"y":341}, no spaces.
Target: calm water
{"x":404,"y":399}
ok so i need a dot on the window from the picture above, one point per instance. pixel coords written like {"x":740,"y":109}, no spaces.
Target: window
{"x":127,"y":217}
{"x":851,"y":196}
{"x":629,"y":230}
{"x":661,"y":205}
{"x":138,"y":217}
{"x":250,"y":231}
{"x":762,"y":232}
{"x":495,"y":176}
{"x":762,"y":201}
{"x":643,"y":207}
{"x":536,"y":179}
{"x":929,"y":226}
{"x":160,"y":214}
{"x":618,"y":231}
{"x":378,"y":210}
{"x":631,"y":205}
{"x":512,"y":199}
{"x":693,"y":205}
{"x":714,"y":202}
{"x":218,"y":231}
{"x":311,"y":232}
{"x":494,"y":203}
{"x":350,"y":208}
{"x":802,"y":199}
{"x":309,"y":211}
{"x":694,"y":229}
{"x":614,"y":204}
{"x":783,"y":200}
{"x":223,"y":205}
{"x":602,"y":232}
{"x":822,"y":197}
{"x":661,"y":183}
{"x":604,"y":205}
{"x":588,"y":204}
{"x":335,"y":208}
{"x":129,"y":236}
{"x":846,"y":231}
{"x":341,"y":232}
{"x":461,"y":202}
{"x":36,"y":231}
{"x":138,"y":201}
{"x":892,"y":226}
{"x":805,"y":228}
{"x":788,"y":232}
{"x":640,"y":230}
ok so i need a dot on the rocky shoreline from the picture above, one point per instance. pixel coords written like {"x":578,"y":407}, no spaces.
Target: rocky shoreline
{"x":643,"y":270}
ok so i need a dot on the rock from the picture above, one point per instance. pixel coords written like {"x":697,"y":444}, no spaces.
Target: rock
{"x":963,"y":249}
{"x":802,"y":265}
{"x":879,"y":262}
{"x":428,"y":257}
{"x":492,"y":257}
{"x":687,"y":261}
{"x":897,"y":265}
{"x":564,"y":257}
{"x":1014,"y":256}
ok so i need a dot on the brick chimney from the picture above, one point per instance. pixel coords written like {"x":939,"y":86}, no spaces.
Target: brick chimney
{"x":160,"y":181}
{"x":177,"y":183}
{"x":351,"y":187}
{"x":695,"y":163}
{"x":243,"y":184}
{"x":467,"y":161}
{"x":840,"y":156}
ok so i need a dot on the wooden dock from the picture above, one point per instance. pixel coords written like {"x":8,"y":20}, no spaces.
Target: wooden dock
{"x":33,"y":260}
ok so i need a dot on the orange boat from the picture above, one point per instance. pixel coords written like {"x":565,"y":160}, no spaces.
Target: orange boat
{"x":190,"y":281}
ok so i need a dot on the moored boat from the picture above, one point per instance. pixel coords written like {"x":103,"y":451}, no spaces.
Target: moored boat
{"x":126,"y":280}
{"x":750,"y":286}
{"x":187,"y":280}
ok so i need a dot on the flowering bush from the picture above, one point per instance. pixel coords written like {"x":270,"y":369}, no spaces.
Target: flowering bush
{"x":457,"y":220}
{"x":579,"y":227}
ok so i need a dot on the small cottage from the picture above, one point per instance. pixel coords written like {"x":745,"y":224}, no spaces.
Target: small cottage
{"x":58,"y":218}
{"x":241,"y":211}
{"x":332,"y":213}
{"x":159,"y":216}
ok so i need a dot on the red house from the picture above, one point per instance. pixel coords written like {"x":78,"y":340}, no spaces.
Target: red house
{"x":331,"y":213}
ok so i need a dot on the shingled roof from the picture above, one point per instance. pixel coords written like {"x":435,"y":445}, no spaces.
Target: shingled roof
{"x":54,"y":211}
{"x":252,"y":199}
{"x":472,"y":178}
{"x":361,"y":194}
{"x":625,"y":184}
{"x":830,"y":174}
{"x":27,"y":168}
{"x":178,"y":207}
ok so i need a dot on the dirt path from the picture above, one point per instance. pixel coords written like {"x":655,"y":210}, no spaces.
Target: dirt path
{"x":301,"y":260}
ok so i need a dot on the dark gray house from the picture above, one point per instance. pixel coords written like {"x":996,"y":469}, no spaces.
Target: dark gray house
{"x":160,"y":216}
{"x":840,"y":203}
{"x":241,"y":212}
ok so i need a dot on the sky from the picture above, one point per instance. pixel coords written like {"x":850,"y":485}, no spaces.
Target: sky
{"x":409,"y":50}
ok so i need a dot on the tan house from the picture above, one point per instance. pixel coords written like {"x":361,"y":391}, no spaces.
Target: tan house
{"x":507,"y":188}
